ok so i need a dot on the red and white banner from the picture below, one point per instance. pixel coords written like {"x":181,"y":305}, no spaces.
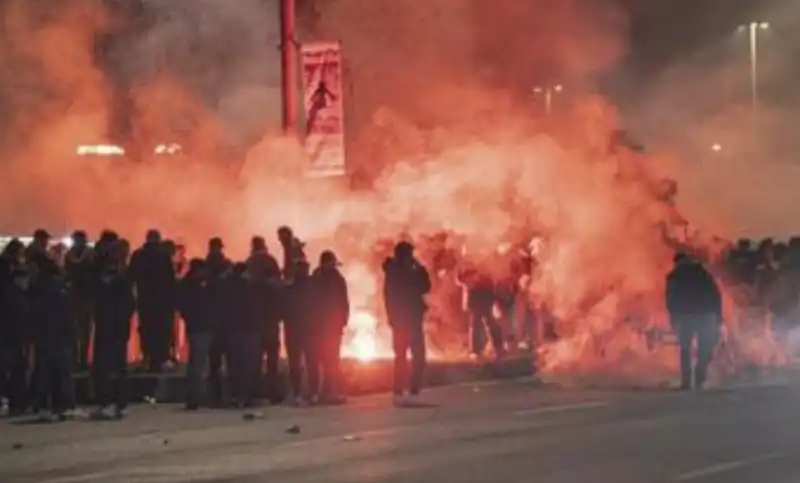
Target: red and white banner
{"x":324,"y":112}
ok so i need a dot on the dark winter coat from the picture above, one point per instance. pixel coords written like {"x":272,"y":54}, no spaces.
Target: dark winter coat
{"x":331,"y":300}
{"x":404,"y":291}
{"x":114,"y":305}
{"x":692,"y":291}
{"x":194,"y":304}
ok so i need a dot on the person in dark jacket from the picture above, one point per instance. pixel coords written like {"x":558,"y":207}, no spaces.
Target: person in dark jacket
{"x":331,"y":314}
{"x":218,"y":269}
{"x":246,"y":327}
{"x":53,"y":340}
{"x":405,"y":286}
{"x":694,"y":304}
{"x":193,"y":304}
{"x":79,"y":268}
{"x":154,"y":277}
{"x":298,"y":332}
{"x":266,"y":285}
{"x":481,"y":298}
{"x":114,"y":305}
{"x":15,"y":342}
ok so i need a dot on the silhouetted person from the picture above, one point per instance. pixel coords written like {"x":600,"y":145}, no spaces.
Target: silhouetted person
{"x":154,"y":277}
{"x":293,"y":250}
{"x":218,"y":268}
{"x":266,"y":286}
{"x":261,"y":260}
{"x":106,"y":243}
{"x":695,"y":308}
{"x":194,"y":304}
{"x":242,"y":307}
{"x":114,"y":307}
{"x":54,"y":339}
{"x":331,"y":314}
{"x":405,"y":286}
{"x":36,"y":253}
{"x":79,"y":267}
{"x":299,"y":328}
{"x":481,"y":297}
{"x":15,"y":337}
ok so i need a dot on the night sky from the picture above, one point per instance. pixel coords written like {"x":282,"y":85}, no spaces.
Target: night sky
{"x":663,"y":31}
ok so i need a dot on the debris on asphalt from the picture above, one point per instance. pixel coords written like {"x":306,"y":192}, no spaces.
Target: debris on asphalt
{"x":151,"y":401}
{"x":165,"y":442}
{"x":252,"y":415}
{"x":16,"y":446}
{"x":352,"y":437}
{"x":294,"y":429}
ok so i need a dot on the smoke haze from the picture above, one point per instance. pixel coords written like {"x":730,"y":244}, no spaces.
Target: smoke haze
{"x":441,"y":121}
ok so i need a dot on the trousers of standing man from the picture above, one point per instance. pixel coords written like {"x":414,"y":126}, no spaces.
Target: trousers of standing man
{"x":82,"y":313}
{"x":156,"y":321}
{"x":110,"y":369}
{"x":408,"y":337}
{"x":704,"y":331}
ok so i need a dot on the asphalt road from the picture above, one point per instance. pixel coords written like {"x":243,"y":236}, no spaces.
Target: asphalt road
{"x":501,"y":432}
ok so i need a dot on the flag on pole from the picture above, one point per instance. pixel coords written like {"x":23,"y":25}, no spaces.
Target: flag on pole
{"x":324,"y":112}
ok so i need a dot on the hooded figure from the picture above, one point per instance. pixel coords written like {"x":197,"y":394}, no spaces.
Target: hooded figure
{"x":405,"y":286}
{"x":154,"y":277}
{"x":694,"y":304}
{"x":331,"y":313}
{"x":114,"y":307}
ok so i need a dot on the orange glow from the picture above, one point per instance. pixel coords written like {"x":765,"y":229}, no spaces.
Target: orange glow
{"x":449,"y":143}
{"x":363,"y":342}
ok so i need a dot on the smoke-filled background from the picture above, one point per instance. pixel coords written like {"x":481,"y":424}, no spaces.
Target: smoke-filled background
{"x":698,"y":101}
{"x":444,"y":133}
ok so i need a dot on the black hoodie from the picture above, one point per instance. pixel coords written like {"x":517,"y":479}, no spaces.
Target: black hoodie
{"x":404,"y":290}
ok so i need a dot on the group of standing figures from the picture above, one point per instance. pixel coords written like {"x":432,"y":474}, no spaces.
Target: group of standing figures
{"x":57,"y":305}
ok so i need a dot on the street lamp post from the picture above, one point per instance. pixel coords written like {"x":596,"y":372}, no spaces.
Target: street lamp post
{"x":753,"y":29}
{"x":549,"y":93}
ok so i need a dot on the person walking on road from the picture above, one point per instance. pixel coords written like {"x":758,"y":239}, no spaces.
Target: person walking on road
{"x":407,"y":282}
{"x":694,"y":304}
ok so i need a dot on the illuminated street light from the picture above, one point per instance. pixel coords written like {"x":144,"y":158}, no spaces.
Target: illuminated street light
{"x":548,"y":93}
{"x":754,"y":28}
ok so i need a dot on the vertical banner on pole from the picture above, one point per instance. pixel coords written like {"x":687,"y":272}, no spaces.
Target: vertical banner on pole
{"x":324,"y":112}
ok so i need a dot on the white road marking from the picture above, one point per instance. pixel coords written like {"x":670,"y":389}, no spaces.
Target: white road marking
{"x":563,"y":408}
{"x":729,"y":466}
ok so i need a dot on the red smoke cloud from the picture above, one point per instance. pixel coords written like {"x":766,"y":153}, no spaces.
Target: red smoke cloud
{"x":447,"y":131}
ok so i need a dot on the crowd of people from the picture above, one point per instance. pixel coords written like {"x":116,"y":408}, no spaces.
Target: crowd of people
{"x":64,"y":309}
{"x":70,"y":307}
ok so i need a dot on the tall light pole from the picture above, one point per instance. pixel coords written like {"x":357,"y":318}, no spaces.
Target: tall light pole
{"x":753,"y":29}
{"x":548,"y":92}
{"x":288,"y":14}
